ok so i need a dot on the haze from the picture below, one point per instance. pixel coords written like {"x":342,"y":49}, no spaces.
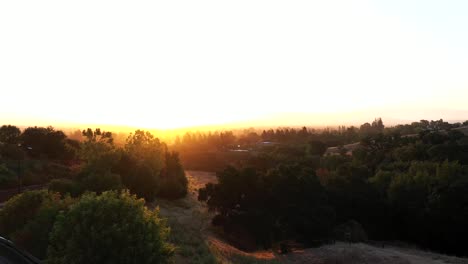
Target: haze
{"x":170,"y":64}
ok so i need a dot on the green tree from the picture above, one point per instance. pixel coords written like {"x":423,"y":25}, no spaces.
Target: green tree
{"x":144,"y":147}
{"x":286,"y":203}
{"x":173,"y":183}
{"x":142,"y":163}
{"x":317,"y":148}
{"x":100,"y":182}
{"x":9,"y":134}
{"x":110,"y":228}
{"x":45,"y":142}
{"x":96,"y":144}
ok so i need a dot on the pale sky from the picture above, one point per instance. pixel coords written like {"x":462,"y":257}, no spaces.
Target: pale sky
{"x":166,"y":64}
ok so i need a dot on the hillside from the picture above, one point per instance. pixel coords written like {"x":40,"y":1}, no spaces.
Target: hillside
{"x":199,"y":242}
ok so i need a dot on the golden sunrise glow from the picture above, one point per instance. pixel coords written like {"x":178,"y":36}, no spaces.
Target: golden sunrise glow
{"x":195,"y":63}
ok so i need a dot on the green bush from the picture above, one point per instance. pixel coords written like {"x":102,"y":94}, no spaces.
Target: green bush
{"x":8,"y":178}
{"x":66,"y":186}
{"x":28,"y":218}
{"x":57,"y":170}
{"x":4,"y":170}
{"x":18,"y":210}
{"x":111,"y":228}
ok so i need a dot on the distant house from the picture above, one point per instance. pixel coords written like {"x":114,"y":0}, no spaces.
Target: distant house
{"x":266,"y":143}
{"x":349,"y":148}
{"x":463,"y":129}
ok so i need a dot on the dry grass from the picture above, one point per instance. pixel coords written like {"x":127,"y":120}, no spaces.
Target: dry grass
{"x":344,"y":253}
{"x":198,"y":242}
{"x":192,"y":232}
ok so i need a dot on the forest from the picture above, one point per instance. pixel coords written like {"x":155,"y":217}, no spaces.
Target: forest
{"x":275,"y":188}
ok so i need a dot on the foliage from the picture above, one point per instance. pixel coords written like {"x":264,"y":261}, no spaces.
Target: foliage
{"x":100,"y":182}
{"x":110,"y":228}
{"x":19,"y":209}
{"x":317,"y":148}
{"x":96,"y":145}
{"x":66,"y":186}
{"x":9,"y":134}
{"x":287,"y":202}
{"x":46,"y":142}
{"x":146,"y":148}
{"x":406,"y":182}
{"x":11,"y":151}
{"x":148,"y":169}
{"x":98,"y":136}
{"x":28,"y":218}
{"x":7,"y":177}
{"x":144,"y":182}
{"x":173,"y":180}
{"x":400,"y":183}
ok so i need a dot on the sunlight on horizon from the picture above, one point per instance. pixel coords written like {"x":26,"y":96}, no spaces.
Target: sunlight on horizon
{"x":181,"y":64}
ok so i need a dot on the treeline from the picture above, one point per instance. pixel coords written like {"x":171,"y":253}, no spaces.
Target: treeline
{"x":210,"y":150}
{"x":144,"y":164}
{"x":330,"y":136}
{"x":391,"y":187}
{"x":228,"y":140}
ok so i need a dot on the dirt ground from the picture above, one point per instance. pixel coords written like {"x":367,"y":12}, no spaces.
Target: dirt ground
{"x":198,"y":241}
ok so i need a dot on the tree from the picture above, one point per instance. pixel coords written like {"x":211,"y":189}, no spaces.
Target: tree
{"x":110,"y":228}
{"x":317,"y":148}
{"x":98,"y":136}
{"x":227,"y":139}
{"x":9,"y":134}
{"x":365,"y":129}
{"x":144,"y":147}
{"x":100,"y":182}
{"x":12,"y":151}
{"x":286,"y":203}
{"x":378,"y":125}
{"x":47,"y":142}
{"x":173,"y":180}
{"x":97,"y":144}
{"x":142,"y":162}
{"x":144,"y":182}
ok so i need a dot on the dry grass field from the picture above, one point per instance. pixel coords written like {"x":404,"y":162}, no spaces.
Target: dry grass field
{"x":199,"y":242}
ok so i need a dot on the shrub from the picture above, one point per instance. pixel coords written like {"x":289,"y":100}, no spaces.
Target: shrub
{"x":350,"y":231}
{"x":111,"y":228}
{"x":8,"y":179}
{"x":18,"y":210}
{"x":57,"y":170}
{"x":66,"y":186}
{"x":27,"y":219}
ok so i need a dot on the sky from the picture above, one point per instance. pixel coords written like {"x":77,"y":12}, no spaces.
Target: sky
{"x":171,"y":64}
